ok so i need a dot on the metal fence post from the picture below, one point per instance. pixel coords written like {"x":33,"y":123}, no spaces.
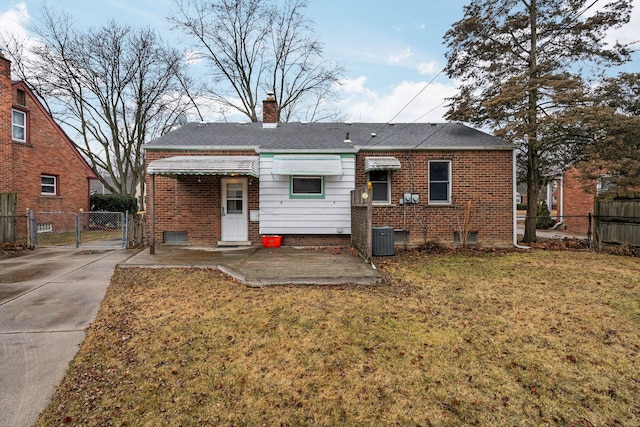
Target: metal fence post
{"x":33,"y":229}
{"x":125,"y":232}
{"x":78,"y":237}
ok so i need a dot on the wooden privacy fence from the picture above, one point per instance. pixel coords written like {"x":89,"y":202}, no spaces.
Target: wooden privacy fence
{"x":8,"y":204}
{"x":361,"y":221}
{"x":617,"y":222}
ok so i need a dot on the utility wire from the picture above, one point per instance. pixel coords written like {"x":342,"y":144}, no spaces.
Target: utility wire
{"x":429,"y":83}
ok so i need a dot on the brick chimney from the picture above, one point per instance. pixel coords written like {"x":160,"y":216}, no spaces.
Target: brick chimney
{"x":269,"y":112}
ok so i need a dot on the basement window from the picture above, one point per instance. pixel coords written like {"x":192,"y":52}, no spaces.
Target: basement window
{"x":472,"y":238}
{"x":176,"y":237}
{"x":45,"y":227}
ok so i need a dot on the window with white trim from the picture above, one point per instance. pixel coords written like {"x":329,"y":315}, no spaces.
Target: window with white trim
{"x":19,"y":125}
{"x":439,"y":182}
{"x":380,"y":186}
{"x":307,"y":186}
{"x":48,"y":185}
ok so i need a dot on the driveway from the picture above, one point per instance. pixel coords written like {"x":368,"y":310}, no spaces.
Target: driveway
{"x":48,"y":297}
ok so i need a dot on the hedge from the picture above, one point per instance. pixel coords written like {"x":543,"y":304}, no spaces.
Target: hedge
{"x":114,"y":203}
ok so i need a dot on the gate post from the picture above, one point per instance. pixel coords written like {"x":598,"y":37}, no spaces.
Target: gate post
{"x":33,"y":229}
{"x":78,"y":220}
{"x":125,"y":234}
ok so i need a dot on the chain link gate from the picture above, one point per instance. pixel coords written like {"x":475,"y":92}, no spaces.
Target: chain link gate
{"x":82,"y":229}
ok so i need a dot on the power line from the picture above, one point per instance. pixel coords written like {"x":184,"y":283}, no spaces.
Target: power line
{"x":429,"y":83}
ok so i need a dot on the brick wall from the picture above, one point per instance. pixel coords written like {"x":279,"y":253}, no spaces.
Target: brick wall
{"x":578,"y":202}
{"x":6,"y":146}
{"x":46,"y":151}
{"x":193,"y":203}
{"x":482,"y":177}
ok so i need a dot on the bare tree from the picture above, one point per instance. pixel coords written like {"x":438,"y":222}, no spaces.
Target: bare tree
{"x":254,"y":46}
{"x":116,"y":86}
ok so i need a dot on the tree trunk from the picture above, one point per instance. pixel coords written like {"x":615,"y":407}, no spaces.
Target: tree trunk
{"x":532,"y":132}
{"x":532,"y":203}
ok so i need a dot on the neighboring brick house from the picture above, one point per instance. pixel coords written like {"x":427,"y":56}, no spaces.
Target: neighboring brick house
{"x":37,"y":159}
{"x":576,"y":198}
{"x":230,"y":183}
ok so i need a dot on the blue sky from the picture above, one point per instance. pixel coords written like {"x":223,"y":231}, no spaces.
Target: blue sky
{"x":390,"y":49}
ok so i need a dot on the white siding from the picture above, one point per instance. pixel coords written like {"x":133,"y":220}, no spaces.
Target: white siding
{"x":281,"y":214}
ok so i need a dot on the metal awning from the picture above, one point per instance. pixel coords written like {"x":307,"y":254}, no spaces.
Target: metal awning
{"x":308,"y":165}
{"x":206,"y":165}
{"x":381,"y":163}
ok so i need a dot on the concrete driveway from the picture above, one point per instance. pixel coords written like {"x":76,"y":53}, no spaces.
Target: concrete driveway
{"x":48,"y":297}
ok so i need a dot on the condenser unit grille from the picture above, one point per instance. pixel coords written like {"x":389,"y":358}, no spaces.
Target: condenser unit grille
{"x":382,"y":244}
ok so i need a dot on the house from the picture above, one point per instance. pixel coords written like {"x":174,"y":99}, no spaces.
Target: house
{"x":40,"y":167}
{"x":576,"y":198}
{"x":231,"y":183}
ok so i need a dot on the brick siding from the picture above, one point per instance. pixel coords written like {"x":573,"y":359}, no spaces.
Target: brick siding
{"x":193,"y":203}
{"x":46,"y":152}
{"x":482,"y":177}
{"x":578,"y":202}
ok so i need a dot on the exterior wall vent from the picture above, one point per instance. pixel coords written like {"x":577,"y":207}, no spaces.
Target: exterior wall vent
{"x":383,"y":241}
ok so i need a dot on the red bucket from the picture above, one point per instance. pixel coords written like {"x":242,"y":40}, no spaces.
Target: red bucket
{"x":271,"y":241}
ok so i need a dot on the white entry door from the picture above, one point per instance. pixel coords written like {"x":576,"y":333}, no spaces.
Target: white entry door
{"x":235,"y":224}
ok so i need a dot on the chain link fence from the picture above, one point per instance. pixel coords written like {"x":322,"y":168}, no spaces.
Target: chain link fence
{"x":73,"y":230}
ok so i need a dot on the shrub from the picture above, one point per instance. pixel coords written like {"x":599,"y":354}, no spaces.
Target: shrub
{"x":543,"y":217}
{"x":522,"y":206}
{"x":114,"y":203}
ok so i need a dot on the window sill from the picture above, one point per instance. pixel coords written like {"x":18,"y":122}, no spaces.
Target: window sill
{"x":50,"y":196}
{"x":443,"y":204}
{"x":17,"y":141}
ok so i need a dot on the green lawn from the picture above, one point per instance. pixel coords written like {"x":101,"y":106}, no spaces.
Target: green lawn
{"x":518,"y":338}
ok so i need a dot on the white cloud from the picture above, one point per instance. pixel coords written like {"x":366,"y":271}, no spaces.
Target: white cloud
{"x":428,"y":68}
{"x":396,"y":58}
{"x":352,"y":85}
{"x":370,"y":106}
{"x":14,"y":20}
{"x":192,"y":57}
{"x":421,"y":26}
{"x":629,"y":32}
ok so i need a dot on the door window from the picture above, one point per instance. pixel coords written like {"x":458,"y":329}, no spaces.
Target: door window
{"x":234,"y":198}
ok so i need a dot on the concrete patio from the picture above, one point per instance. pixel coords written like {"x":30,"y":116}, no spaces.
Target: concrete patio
{"x":258,"y":266}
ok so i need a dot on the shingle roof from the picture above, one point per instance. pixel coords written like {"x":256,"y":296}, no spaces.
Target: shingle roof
{"x":328,"y":137}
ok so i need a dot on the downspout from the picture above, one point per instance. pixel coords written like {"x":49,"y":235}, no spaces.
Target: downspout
{"x":515,"y":206}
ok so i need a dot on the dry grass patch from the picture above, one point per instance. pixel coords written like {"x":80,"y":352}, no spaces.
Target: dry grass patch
{"x":489,"y":339}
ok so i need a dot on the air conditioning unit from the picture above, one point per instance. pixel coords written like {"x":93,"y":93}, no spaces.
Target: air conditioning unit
{"x":383,"y":241}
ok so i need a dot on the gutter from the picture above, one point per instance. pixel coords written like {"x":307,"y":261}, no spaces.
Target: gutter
{"x":436,"y":148}
{"x":515,"y":206}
